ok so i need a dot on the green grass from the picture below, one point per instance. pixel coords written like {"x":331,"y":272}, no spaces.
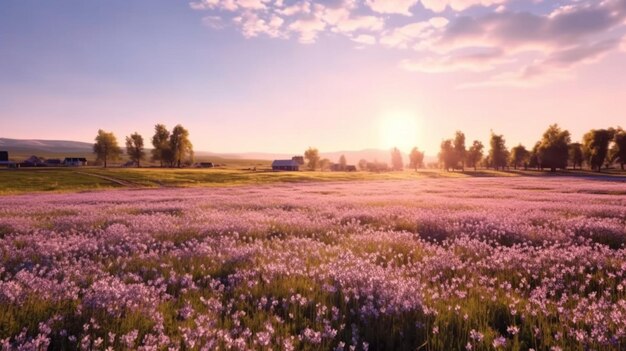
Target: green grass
{"x":15,"y":181}
{"x":39,"y":180}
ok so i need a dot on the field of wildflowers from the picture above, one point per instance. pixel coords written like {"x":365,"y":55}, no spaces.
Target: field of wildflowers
{"x":433,"y":264}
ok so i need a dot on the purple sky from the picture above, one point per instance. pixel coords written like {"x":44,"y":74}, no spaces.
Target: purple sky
{"x":279,"y":76}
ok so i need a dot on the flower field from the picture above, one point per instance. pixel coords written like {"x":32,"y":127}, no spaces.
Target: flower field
{"x":434,"y":264}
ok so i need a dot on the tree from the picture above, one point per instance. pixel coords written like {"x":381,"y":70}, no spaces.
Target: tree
{"x":519,"y":156}
{"x":618,"y":150}
{"x":575,"y":155}
{"x":396,"y":159}
{"x":596,"y":147}
{"x":313,"y":158}
{"x":343,"y":164}
{"x":475,"y":154}
{"x":180,"y":145}
{"x":459,"y":149}
{"x":498,"y":154}
{"x":106,"y":147}
{"x":324,"y":164}
{"x":416,"y":159}
{"x":160,"y":141}
{"x":134,"y":148}
{"x":447,"y":156}
{"x":553,"y":148}
{"x":363,"y":164}
{"x":533,"y":158}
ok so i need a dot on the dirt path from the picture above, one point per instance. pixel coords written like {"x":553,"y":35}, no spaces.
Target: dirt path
{"x":113,"y":180}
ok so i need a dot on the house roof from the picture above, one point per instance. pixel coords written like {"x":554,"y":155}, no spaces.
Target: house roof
{"x":285,"y":163}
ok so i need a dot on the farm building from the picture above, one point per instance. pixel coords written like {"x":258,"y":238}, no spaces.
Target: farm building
{"x":53,"y":162}
{"x":204,"y":165}
{"x":33,"y":161}
{"x":75,"y":161}
{"x":285,"y":165}
{"x":4,"y":156}
{"x":299,"y":159}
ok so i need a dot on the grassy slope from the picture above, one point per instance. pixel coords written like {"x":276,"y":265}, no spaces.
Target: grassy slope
{"x":14,"y":181}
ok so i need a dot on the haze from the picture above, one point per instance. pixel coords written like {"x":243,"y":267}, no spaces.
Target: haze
{"x":279,"y":76}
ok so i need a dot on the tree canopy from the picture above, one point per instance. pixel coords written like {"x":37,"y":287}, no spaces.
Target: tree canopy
{"x":180,"y":145}
{"x":106,"y":147}
{"x":498,"y":154}
{"x":475,"y":154}
{"x":596,"y":147}
{"x":134,"y":148}
{"x":447,"y":156}
{"x":416,"y":158}
{"x":553,"y":148}
{"x":459,"y":150}
{"x":312,"y":155}
{"x":618,"y":150}
{"x":161,"y":147}
{"x":519,"y":156}
{"x":575,"y":155}
{"x":397,"y":163}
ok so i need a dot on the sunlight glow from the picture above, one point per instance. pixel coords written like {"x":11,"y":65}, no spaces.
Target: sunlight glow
{"x":399,"y":129}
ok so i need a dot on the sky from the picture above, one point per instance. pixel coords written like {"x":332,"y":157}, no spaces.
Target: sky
{"x":282,"y":75}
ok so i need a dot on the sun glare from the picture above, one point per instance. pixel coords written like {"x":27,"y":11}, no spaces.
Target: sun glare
{"x":399,"y":129}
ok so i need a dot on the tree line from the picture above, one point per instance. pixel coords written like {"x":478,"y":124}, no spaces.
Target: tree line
{"x":599,"y":148}
{"x":555,"y":150}
{"x":314,"y":161}
{"x":170,"y":149}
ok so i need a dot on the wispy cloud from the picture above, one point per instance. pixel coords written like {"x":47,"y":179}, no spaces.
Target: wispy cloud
{"x":543,"y":42}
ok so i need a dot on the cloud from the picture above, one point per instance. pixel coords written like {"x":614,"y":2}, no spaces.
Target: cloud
{"x":365,"y":39}
{"x":458,"y":5}
{"x":401,"y":7}
{"x":546,"y":41}
{"x":214,"y":22}
{"x":481,"y":60}
{"x":252,"y":25}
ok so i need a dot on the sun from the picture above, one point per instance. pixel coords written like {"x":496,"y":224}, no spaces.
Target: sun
{"x":399,"y":129}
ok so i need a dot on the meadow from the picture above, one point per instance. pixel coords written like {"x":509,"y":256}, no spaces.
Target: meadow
{"x":515,"y":263}
{"x":69,"y":179}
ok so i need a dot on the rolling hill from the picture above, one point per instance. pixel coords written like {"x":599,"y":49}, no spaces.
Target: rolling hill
{"x":23,"y":148}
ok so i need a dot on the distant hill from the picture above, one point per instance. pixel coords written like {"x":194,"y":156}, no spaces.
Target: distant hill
{"x":20,"y":148}
{"x":44,"y":146}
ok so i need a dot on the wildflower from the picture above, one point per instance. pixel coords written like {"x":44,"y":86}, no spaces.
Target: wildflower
{"x":499,"y":342}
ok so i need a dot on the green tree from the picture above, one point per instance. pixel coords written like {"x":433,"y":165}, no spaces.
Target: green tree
{"x":312,"y":156}
{"x":459,"y":149}
{"x":160,"y":141}
{"x":106,"y":147}
{"x":396,"y":160}
{"x":575,"y":155}
{"x":343,"y":163}
{"x":416,"y":159}
{"x":447,"y":155}
{"x":134,"y":148}
{"x":180,"y":145}
{"x":475,"y":154}
{"x":596,"y":147}
{"x":519,"y":156}
{"x":618,"y":150}
{"x":498,"y":154}
{"x":554,"y":148}
{"x":533,"y":158}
